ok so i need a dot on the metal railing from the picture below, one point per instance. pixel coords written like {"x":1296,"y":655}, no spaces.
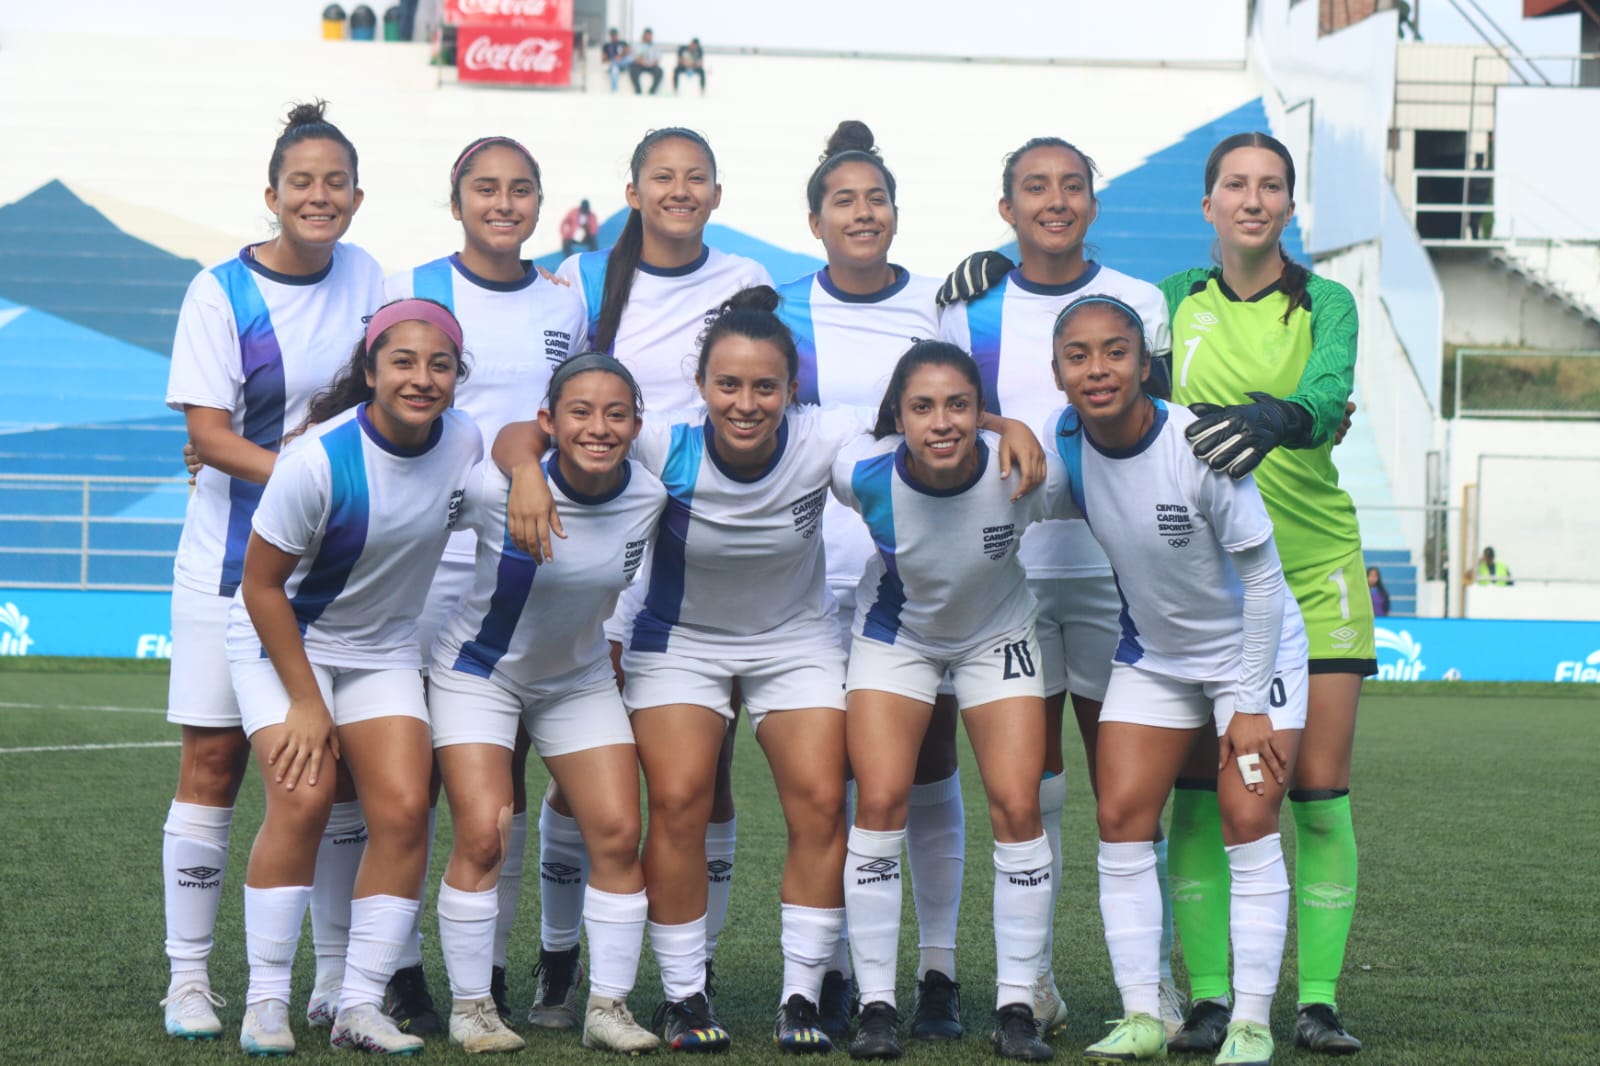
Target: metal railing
{"x":1529,"y":361}
{"x":73,"y":532}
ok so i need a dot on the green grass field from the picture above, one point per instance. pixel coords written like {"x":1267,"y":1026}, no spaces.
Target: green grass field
{"x":1475,"y":938}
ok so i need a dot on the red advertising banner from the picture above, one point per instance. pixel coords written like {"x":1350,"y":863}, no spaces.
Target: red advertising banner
{"x":514,"y":55}
{"x":531,"y":14}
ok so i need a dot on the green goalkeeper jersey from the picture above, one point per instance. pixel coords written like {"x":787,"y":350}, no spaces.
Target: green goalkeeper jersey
{"x":1224,"y":346}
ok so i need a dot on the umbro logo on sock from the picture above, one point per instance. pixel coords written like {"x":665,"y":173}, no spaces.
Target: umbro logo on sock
{"x":353,"y":838}
{"x":199,"y":877}
{"x":1328,"y":895}
{"x":1184,"y":890}
{"x":719,"y":870}
{"x":880,"y":870}
{"x":560,"y":873}
{"x":1029,"y":878}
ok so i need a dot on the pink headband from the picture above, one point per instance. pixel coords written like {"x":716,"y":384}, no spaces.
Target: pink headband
{"x":472,"y":150}
{"x":413,"y":310}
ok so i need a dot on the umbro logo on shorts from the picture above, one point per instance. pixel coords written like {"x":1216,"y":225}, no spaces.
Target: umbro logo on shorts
{"x":878,"y":870}
{"x":560,"y":872}
{"x":199,"y":877}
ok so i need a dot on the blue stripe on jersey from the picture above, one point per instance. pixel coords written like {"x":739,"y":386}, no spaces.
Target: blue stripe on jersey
{"x":1129,"y":650}
{"x":512,"y":584}
{"x":795,"y":312}
{"x":262,"y":405}
{"x":664,"y":600}
{"x":346,"y":532}
{"x":435,"y":281}
{"x":592,"y":278}
{"x":872,"y":481}
{"x":1069,"y":446}
{"x":983,"y":325}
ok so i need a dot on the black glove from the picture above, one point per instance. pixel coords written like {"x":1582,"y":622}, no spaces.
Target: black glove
{"x":1234,"y":439}
{"x":977,"y":274}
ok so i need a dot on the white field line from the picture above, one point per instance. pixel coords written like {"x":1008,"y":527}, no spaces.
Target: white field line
{"x":93,"y":747}
{"x":8,"y":706}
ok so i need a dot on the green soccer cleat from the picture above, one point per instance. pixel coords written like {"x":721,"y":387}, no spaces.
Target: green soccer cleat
{"x":1246,"y":1044}
{"x":1132,"y":1039}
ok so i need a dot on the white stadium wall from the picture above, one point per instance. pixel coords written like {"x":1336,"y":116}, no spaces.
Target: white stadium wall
{"x":1546,"y":157}
{"x":1412,"y":295}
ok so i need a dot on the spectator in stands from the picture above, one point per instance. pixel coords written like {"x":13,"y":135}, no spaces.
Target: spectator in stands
{"x":1491,"y":572}
{"x":646,"y":60}
{"x":691,"y":61}
{"x":580,"y":229}
{"x":618,"y":56}
{"x":1380,"y":595}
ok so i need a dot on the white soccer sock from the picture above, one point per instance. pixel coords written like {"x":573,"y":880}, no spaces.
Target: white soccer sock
{"x":381,"y":927}
{"x":1166,"y":909}
{"x":936,"y":849}
{"x":563,"y":873}
{"x":508,"y":888}
{"x":807,"y":939}
{"x":1130,"y":906}
{"x":720,"y":838}
{"x":681,"y":954}
{"x":1052,"y":798}
{"x":272,"y":920}
{"x":411,"y":951}
{"x":344,"y":839}
{"x":194,"y":857}
{"x":872,"y":895}
{"x":466,"y":936}
{"x":1021,"y":915}
{"x":840,"y":961}
{"x":615,"y":923}
{"x":1258,"y":921}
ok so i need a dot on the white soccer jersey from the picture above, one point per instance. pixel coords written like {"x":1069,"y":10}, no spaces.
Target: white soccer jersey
{"x":1168,"y":522}
{"x":734,"y":558}
{"x":1008,"y":331}
{"x":516,"y":333}
{"x":369,"y":521}
{"x":848,"y":347}
{"x":666,"y":313}
{"x":259,"y":345}
{"x":945,"y":575}
{"x":526,"y":622}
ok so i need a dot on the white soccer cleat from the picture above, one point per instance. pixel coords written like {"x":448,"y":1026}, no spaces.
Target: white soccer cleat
{"x":1173,"y":1007}
{"x":366,"y":1028}
{"x":476,"y":1027}
{"x":191,"y":1012}
{"x":1049,"y":1011}
{"x":266,"y":1029}
{"x":608,"y":1025}
{"x":323,"y":1007}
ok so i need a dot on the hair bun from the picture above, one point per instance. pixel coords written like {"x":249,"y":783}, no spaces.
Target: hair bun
{"x":306,"y":114}
{"x":852,"y":135}
{"x":755,"y":298}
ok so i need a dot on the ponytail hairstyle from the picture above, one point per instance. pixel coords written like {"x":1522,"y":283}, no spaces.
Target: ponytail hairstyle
{"x":851,"y":142}
{"x":349,"y":386}
{"x":624,"y":259}
{"x":1295,"y":277}
{"x":461,"y":169}
{"x":591,"y":362}
{"x":750,"y":313}
{"x":921,"y":354}
{"x":1008,"y":176}
{"x":307,"y":122}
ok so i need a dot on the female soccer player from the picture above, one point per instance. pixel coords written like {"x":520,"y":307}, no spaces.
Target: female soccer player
{"x":944,"y":593}
{"x":1270,"y":350}
{"x":322,"y":647}
{"x":528,"y":648}
{"x":1048,"y":200}
{"x":850,"y":321}
{"x":257,"y":335}
{"x":648,"y":300}
{"x":522,"y":326}
{"x":1208,"y":634}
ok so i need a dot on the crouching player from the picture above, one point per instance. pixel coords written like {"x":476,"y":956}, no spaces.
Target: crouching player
{"x":1209,"y":634}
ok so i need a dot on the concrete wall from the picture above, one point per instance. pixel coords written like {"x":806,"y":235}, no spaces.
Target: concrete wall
{"x":1488,"y":305}
{"x":1546,"y":159}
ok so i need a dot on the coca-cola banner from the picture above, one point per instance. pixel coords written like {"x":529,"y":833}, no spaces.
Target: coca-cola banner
{"x":532,"y":14}
{"x":514,"y":55}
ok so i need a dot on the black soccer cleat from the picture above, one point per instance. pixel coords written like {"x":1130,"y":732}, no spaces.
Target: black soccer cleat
{"x":1017,"y":1037}
{"x":799,"y":1029}
{"x":876,"y":1036}
{"x":1318,"y":1028}
{"x":837,"y":1005}
{"x":407,"y":1001}
{"x":497,"y":992}
{"x":688,"y":1025}
{"x":1204,"y":1029}
{"x":556,"y":978}
{"x":937,"y":1014}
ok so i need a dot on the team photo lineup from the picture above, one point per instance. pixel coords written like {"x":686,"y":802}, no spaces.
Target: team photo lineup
{"x":474,"y":510}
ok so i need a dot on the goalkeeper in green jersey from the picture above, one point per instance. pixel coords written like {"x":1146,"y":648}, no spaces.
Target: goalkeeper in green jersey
{"x":1264,"y":352}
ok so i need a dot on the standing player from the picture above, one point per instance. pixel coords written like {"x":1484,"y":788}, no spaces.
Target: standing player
{"x":527,"y":650}
{"x":521,"y":326}
{"x":1270,"y":350}
{"x":322,"y":647}
{"x":933,"y":601}
{"x":1208,"y":632}
{"x":1048,"y":201}
{"x":257,"y":335}
{"x":648,"y":300}
{"x":849,"y":320}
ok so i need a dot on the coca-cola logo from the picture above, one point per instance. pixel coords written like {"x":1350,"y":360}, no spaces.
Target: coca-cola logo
{"x":505,"y":8}
{"x":531,"y":55}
